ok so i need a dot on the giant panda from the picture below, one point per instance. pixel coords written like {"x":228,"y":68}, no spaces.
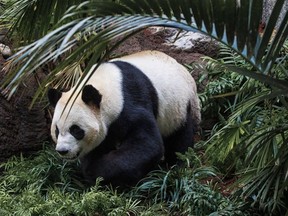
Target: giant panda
{"x":132,"y":112}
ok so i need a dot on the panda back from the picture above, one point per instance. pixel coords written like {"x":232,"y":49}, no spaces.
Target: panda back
{"x":175,"y":87}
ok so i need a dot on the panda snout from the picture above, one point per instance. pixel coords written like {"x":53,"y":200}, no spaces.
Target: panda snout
{"x":62,"y":152}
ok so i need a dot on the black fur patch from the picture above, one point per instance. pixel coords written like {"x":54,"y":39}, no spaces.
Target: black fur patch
{"x":91,"y":95}
{"x":137,"y":88}
{"x":56,"y":132}
{"x":53,"y":96}
{"x":180,"y":140}
{"x":77,"y":132}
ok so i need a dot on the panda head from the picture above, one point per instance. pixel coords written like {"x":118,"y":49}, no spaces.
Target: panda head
{"x":76,"y":127}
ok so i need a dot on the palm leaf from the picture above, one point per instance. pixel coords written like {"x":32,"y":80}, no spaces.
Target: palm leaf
{"x":234,"y":23}
{"x":34,"y":18}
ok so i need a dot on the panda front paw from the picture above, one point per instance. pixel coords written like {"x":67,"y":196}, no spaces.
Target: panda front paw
{"x":115,"y":173}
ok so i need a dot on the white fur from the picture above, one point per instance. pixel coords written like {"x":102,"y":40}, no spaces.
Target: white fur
{"x":174,"y":86}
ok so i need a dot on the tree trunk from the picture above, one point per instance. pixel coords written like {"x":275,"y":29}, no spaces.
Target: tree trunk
{"x":21,"y":130}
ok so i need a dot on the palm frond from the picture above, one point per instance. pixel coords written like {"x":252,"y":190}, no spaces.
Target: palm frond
{"x":255,"y":135}
{"x":234,"y":23}
{"x":33,"y":19}
{"x":269,"y":187}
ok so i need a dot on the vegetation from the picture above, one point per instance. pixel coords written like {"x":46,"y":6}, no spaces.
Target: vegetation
{"x":251,"y":136}
{"x":45,"y":185}
{"x":246,"y":93}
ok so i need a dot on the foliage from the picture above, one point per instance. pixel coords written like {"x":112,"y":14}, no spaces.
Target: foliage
{"x":253,"y":132}
{"x":90,"y":27}
{"x":1,"y":7}
{"x":40,"y":15}
{"x":4,"y":4}
{"x":45,"y":185}
{"x":223,"y":84}
{"x":183,"y":190}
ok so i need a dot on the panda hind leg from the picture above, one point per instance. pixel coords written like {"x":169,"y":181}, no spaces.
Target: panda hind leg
{"x":179,"y":141}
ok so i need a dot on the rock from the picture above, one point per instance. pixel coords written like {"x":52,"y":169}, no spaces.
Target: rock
{"x":184,"y":40}
{"x":171,"y":42}
{"x":189,"y":42}
{"x":5,"y":51}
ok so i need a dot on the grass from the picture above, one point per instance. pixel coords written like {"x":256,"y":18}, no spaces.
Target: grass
{"x":46,"y":185}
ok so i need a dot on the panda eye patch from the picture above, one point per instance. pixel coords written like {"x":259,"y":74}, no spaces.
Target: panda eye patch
{"x":77,"y":132}
{"x":56,"y":132}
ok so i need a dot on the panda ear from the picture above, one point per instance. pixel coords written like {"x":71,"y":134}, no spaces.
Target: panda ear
{"x":91,"y":95}
{"x":53,"y":96}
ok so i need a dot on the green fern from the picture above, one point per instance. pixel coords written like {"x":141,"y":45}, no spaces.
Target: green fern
{"x":254,"y":135}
